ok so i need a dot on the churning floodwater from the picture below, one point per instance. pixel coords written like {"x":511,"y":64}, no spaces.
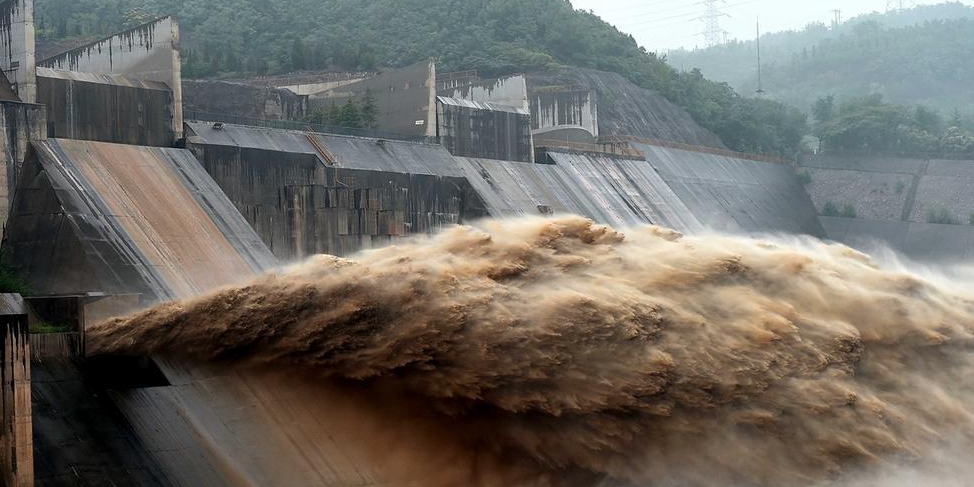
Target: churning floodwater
{"x":561,"y":352}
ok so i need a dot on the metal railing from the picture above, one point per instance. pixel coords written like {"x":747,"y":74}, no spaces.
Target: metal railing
{"x":610,"y":148}
{"x":303,"y":79}
{"x":694,"y":148}
{"x":923,"y":156}
{"x":200,"y":116}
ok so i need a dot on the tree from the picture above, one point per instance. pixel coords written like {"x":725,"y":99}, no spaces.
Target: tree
{"x":870,"y":125}
{"x":956,"y":119}
{"x":370,"y":110}
{"x":300,"y":58}
{"x":334,"y":114}
{"x":919,"y":56}
{"x":823,"y":109}
{"x":495,"y":37}
{"x":350,"y":115}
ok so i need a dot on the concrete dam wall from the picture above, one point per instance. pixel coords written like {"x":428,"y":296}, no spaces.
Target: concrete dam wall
{"x":92,"y":216}
{"x":921,"y":207}
{"x":736,"y":195}
{"x":308,"y":193}
{"x":352,"y":194}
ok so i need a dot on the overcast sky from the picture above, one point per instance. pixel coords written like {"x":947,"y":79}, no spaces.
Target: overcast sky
{"x":659,"y":25}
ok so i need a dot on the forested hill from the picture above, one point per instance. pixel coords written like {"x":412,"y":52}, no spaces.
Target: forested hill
{"x":234,"y":38}
{"x":920,"y":56}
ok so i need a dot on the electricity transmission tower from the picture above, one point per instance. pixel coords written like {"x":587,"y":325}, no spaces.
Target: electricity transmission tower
{"x":713,"y":34}
{"x":896,"y":5}
{"x":837,"y":18}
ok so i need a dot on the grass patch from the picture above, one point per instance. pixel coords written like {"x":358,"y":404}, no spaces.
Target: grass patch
{"x":10,"y":282}
{"x":900,"y":186}
{"x":44,"y":327}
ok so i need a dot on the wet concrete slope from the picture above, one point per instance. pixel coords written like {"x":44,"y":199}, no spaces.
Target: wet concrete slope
{"x":614,"y":191}
{"x":79,"y":436}
{"x":150,"y":220}
{"x":238,"y":428}
{"x":99,"y":217}
{"x":736,"y":195}
{"x":927,"y":242}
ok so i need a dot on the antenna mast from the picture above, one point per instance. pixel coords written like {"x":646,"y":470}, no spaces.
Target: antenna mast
{"x":758,"y":41}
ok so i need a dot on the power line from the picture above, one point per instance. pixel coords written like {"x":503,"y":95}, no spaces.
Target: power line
{"x":713,"y":34}
{"x":656,"y":13}
{"x":687,"y":16}
{"x":639,"y":9}
{"x":899,"y":5}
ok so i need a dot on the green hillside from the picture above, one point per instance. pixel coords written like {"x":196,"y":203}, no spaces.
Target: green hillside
{"x":916,"y":57}
{"x":232,"y":38}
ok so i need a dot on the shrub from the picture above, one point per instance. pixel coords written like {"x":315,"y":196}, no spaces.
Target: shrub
{"x":941,"y":216}
{"x":849,"y":211}
{"x":10,"y":282}
{"x":830,"y":209}
{"x":44,"y":327}
{"x":804,"y":177}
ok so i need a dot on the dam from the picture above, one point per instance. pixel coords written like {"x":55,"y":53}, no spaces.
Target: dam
{"x":126,"y":186}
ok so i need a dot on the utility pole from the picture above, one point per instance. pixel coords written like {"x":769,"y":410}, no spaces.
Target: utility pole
{"x":713,"y":34}
{"x":837,"y":19}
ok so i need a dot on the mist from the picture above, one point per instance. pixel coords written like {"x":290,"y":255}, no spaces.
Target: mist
{"x":561,"y":352}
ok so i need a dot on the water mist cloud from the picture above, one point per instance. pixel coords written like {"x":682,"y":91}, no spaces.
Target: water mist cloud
{"x":593,"y":357}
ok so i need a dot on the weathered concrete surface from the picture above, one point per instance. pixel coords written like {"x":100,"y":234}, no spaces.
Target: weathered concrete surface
{"x":20,"y":123}
{"x":565,"y":114}
{"x":921,"y":208}
{"x":484,"y":130}
{"x":12,"y":304}
{"x":510,"y":91}
{"x":16,"y":430}
{"x":242,"y":100}
{"x":91,"y":216}
{"x":926,"y":242}
{"x":406,"y":99}
{"x":626,"y":109}
{"x":736,"y":195}
{"x":308,"y":89}
{"x":148,"y":52}
{"x":107,"y":108}
{"x":888,"y":188}
{"x":300,"y":204}
{"x":80,"y":437}
{"x":17,"y":48}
